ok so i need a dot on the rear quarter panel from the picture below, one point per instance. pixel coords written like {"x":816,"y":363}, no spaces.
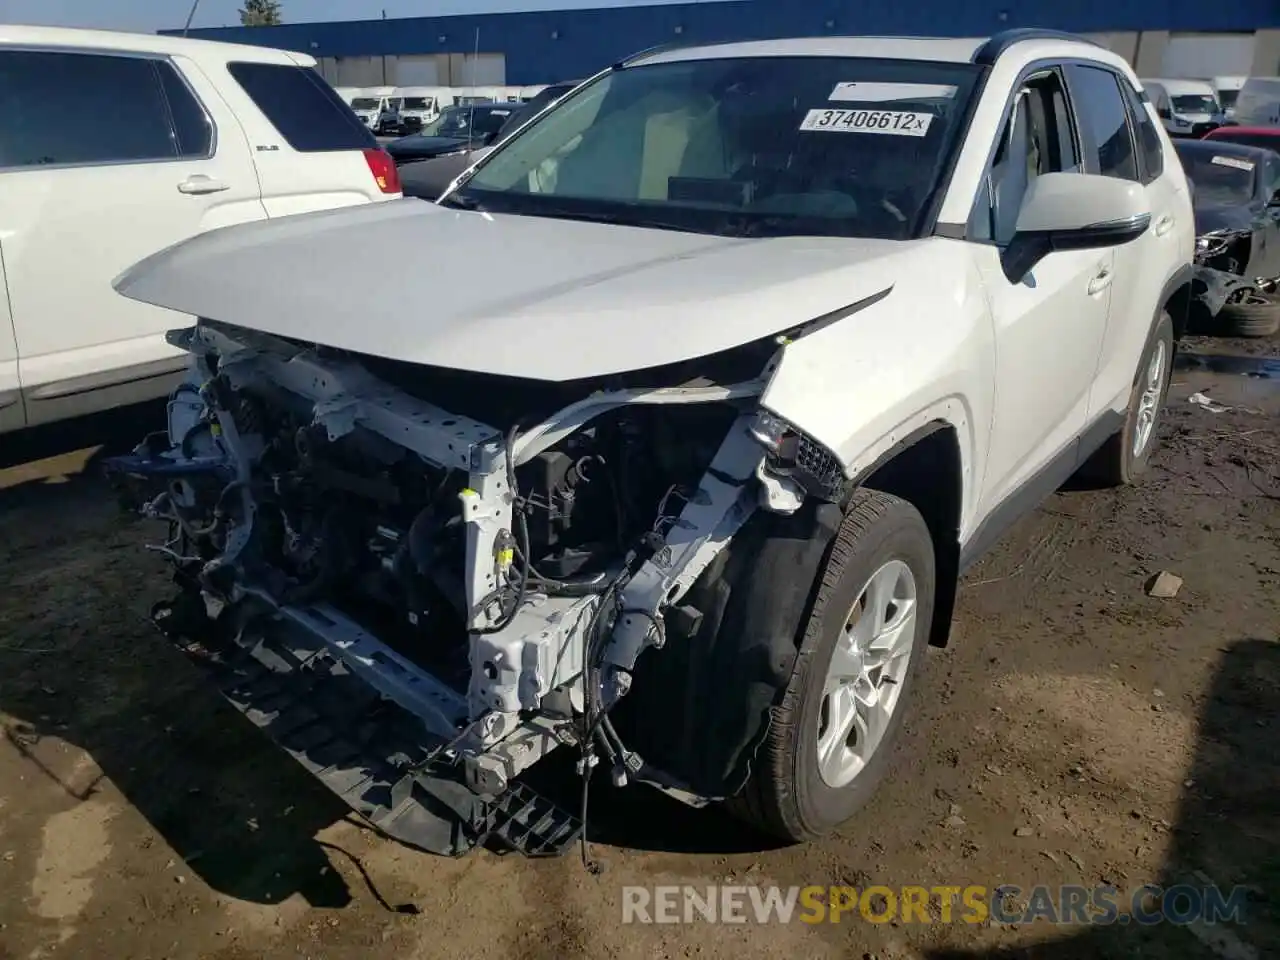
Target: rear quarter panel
{"x":291,"y":181}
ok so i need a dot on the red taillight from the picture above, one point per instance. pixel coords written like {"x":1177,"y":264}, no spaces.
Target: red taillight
{"x":384,"y":170}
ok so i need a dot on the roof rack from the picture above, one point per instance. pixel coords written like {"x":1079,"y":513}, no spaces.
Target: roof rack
{"x":985,"y":55}
{"x":989,"y":52}
{"x":673,"y":45}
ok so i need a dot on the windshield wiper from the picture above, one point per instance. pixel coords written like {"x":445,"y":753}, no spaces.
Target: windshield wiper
{"x":460,"y":201}
{"x":617,"y":219}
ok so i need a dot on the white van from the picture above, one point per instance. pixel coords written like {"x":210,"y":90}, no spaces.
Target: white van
{"x":347,"y":93}
{"x":1227,"y":89}
{"x":370,"y":103}
{"x":1259,"y":103}
{"x":464,"y":96}
{"x":172,"y":137}
{"x":420,"y":105}
{"x":1189,"y":108}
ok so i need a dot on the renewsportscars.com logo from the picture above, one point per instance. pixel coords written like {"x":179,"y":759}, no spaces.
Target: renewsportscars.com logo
{"x":1067,"y":904}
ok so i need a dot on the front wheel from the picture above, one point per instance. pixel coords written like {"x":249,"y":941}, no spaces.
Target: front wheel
{"x":831,"y":737}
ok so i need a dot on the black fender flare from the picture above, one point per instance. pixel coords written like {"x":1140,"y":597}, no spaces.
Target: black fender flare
{"x":1176,"y":295}
{"x":699,"y":707}
{"x":946,"y":543}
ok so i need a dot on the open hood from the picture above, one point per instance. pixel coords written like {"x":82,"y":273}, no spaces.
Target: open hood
{"x":511,"y":295}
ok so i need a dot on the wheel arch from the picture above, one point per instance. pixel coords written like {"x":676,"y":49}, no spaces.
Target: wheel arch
{"x":734,"y":638}
{"x":927,"y":468}
{"x":1176,"y":298}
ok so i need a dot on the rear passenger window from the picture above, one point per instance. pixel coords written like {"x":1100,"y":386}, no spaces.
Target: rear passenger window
{"x":305,"y":110}
{"x":191,"y":124}
{"x":77,"y":108}
{"x":1150,"y":152}
{"x":1104,"y":123}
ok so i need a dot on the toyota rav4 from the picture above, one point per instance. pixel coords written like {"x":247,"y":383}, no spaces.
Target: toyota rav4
{"x":788,"y":333}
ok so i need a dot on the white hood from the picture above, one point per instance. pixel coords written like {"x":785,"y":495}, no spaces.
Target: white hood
{"x":519,"y":296}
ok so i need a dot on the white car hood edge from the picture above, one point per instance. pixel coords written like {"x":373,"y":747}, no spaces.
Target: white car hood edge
{"x":526,"y":297}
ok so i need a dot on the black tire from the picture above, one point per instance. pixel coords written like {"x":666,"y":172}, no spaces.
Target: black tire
{"x":1115,"y":463}
{"x":786,"y":795}
{"x":1256,"y":315}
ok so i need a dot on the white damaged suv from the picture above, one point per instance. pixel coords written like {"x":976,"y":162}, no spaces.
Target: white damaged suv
{"x":789,"y":332}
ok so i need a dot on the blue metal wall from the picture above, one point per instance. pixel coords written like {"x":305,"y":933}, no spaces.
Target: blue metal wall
{"x":554,"y":45}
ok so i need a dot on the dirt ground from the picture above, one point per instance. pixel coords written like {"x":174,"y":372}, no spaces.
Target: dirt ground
{"x":1075,"y":731}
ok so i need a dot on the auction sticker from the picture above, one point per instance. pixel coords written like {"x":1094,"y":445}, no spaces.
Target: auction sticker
{"x":1233,"y":162}
{"x":863,"y":91}
{"x":897,"y":123}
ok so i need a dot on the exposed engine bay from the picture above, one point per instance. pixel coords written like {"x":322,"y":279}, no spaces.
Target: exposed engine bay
{"x":1223,"y":269}
{"x":496,"y":578}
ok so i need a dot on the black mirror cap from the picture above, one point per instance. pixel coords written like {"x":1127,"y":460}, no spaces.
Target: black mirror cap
{"x":1027,"y":249}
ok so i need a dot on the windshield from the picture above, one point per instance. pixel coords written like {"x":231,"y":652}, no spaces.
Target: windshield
{"x":1228,"y":98}
{"x":417,"y":103}
{"x":457,"y":121}
{"x":1220,"y":181}
{"x":1195,"y":103}
{"x":767,"y":146}
{"x":365,"y":103}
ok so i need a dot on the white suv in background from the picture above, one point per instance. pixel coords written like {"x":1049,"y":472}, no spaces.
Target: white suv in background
{"x":114,"y":146}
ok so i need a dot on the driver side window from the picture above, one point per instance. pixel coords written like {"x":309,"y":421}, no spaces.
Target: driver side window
{"x":1038,"y":138}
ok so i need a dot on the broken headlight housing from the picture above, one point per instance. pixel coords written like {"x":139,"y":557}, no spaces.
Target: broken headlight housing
{"x":1224,"y":250}
{"x":795,"y":454}
{"x":1212,"y":244}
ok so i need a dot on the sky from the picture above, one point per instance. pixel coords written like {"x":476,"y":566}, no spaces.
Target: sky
{"x":152,"y":15}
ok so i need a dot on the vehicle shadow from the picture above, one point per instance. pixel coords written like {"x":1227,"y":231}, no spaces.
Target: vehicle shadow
{"x":1227,"y":833}
{"x":45,"y":459}
{"x":247,"y":818}
{"x":641,"y":818}
{"x":242,"y":815}
{"x":81,"y":665}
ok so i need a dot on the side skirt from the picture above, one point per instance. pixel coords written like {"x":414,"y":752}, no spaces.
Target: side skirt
{"x":1038,"y":488}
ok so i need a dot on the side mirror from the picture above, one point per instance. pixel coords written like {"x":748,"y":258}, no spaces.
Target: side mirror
{"x":1074,"y":211}
{"x":1275,"y":199}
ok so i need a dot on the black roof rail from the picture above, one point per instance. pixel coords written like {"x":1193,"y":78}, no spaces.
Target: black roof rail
{"x":989,"y":52}
{"x":641,"y":54}
{"x":676,"y":45}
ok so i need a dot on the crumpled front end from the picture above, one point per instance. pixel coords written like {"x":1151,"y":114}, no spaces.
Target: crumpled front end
{"x":1222,"y":267}
{"x":422,"y":581}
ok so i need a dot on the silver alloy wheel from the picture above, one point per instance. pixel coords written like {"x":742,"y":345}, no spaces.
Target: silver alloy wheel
{"x":1149,"y":405}
{"x":864,"y":680}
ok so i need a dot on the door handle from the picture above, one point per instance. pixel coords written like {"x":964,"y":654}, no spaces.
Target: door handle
{"x":1100,"y":282}
{"x":198,"y":184}
{"x":1164,"y":225}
